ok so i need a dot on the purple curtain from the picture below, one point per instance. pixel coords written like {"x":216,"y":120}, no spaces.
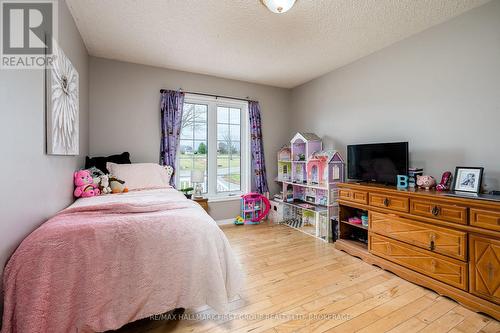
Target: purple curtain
{"x":257,"y":146}
{"x":171,"y":106}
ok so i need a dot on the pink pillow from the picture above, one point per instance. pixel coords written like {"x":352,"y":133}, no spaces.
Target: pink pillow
{"x":140,"y":176}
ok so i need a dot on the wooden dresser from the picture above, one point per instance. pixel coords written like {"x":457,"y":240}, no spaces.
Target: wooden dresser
{"x":448,"y":244}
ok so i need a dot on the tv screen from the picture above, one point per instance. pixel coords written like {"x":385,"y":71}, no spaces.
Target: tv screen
{"x":378,"y":162}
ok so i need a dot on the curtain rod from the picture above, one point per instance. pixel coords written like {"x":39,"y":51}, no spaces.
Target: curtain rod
{"x":247,"y":99}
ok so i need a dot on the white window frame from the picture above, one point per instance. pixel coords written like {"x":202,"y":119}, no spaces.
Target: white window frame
{"x":245,"y":158}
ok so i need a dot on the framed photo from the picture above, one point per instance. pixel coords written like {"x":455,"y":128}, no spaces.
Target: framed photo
{"x":468,"y":179}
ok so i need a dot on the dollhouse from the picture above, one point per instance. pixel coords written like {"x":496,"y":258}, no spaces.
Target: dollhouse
{"x":325,"y":167}
{"x":285,"y":154}
{"x":254,"y":208}
{"x":284,"y":163}
{"x":310,"y":191}
{"x":302,"y":146}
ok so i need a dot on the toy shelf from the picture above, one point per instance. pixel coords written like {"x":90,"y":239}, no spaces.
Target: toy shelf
{"x":308,"y":176}
{"x":300,"y":203}
{"x":308,"y":230}
{"x":316,"y":186}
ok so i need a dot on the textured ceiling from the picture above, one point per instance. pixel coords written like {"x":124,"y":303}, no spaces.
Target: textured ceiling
{"x":241,"y":39}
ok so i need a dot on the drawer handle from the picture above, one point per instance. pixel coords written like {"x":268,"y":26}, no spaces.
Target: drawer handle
{"x":432,"y":240}
{"x":386,"y":202}
{"x":435,"y":211}
{"x":389,"y":249}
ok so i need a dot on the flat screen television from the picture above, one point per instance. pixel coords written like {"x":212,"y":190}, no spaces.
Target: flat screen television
{"x":377,"y":162}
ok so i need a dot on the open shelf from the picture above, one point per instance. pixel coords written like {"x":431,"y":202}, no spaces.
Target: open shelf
{"x":308,"y":230}
{"x":352,"y":247}
{"x":356,"y":244}
{"x":353,"y":237}
{"x":316,"y":186}
{"x":316,"y":208}
{"x":355,"y":225}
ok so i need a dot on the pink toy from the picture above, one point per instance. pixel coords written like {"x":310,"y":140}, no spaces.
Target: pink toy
{"x":355,"y":220}
{"x":426,"y":182}
{"x":254,"y":207}
{"x":84,"y":184}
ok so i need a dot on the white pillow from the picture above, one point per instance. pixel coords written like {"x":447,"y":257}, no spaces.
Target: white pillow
{"x":140,"y":176}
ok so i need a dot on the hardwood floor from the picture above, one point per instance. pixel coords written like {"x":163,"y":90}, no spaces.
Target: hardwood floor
{"x":295,"y":283}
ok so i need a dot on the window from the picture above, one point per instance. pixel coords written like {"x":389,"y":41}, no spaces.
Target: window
{"x":214,"y":140}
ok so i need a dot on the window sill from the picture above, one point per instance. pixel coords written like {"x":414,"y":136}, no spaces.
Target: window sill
{"x":224,"y":198}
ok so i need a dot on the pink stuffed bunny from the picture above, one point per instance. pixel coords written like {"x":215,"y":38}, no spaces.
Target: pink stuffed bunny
{"x":84,"y":184}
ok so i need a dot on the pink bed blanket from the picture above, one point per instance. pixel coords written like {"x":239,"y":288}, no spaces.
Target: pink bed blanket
{"x":109,"y":260}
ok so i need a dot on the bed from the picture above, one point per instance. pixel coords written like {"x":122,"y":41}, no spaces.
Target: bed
{"x":110,"y":260}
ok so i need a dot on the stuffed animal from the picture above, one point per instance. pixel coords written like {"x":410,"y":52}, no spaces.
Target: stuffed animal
{"x":426,"y":182}
{"x":96,"y":175}
{"x":117,"y":185}
{"x":104,"y":184}
{"x":87,"y":191}
{"x":84,"y":184}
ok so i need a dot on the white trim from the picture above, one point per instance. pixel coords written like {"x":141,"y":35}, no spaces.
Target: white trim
{"x":225,"y":222}
{"x":226,"y":198}
{"x":298,"y":136}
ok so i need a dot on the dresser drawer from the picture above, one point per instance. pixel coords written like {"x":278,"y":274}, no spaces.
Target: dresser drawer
{"x":394,"y":202}
{"x":485,"y":267}
{"x":354,"y":196}
{"x":485,"y":219}
{"x":439,"y":210}
{"x":447,"y":270}
{"x":445,"y":241}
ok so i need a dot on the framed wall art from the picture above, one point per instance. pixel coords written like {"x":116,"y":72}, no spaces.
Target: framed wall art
{"x":62,"y":105}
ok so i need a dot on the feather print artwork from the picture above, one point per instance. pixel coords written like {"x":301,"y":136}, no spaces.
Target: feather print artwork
{"x":62,"y":109}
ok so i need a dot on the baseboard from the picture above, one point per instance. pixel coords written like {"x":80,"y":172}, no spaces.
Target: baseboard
{"x":226,"y":221}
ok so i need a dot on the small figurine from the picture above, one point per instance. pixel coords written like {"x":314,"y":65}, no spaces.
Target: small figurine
{"x":426,"y":182}
{"x":445,"y":183}
{"x":239,"y":220}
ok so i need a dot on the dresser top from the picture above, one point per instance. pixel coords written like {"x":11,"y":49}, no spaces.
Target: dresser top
{"x":425,"y":194}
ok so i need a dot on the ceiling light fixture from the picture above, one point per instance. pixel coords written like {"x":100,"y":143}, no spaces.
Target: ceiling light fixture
{"x":278,"y":6}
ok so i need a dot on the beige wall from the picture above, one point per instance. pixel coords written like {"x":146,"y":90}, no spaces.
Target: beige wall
{"x":125,"y":113}
{"x":36,"y":185}
{"x":439,"y":90}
